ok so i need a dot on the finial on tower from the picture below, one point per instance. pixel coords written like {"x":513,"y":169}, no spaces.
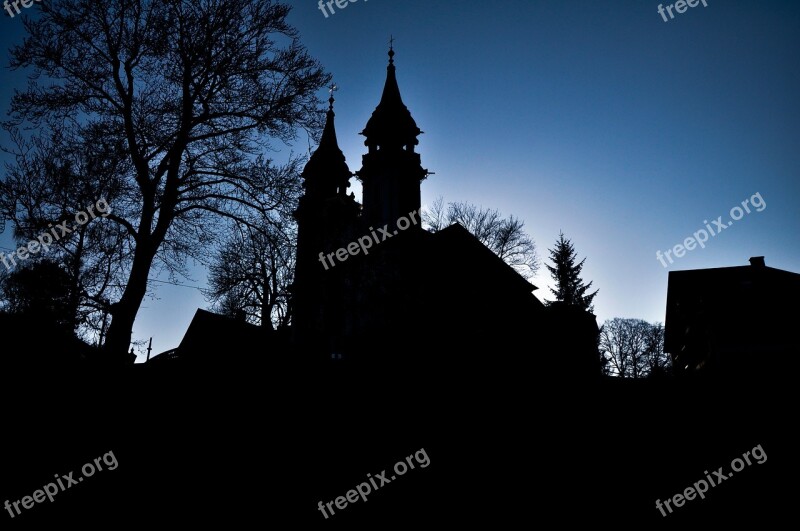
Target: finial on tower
{"x":391,"y":49}
{"x":333,"y":88}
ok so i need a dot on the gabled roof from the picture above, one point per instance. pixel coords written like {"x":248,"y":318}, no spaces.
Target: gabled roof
{"x":451,"y":256}
{"x":209,"y":336}
{"x":456,"y":240}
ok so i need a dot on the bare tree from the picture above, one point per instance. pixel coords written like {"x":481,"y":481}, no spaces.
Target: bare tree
{"x":632,"y":348}
{"x":253,"y":269}
{"x":505,"y":237}
{"x":656,"y":360}
{"x":54,"y":177}
{"x":192,"y":90}
{"x":252,"y":273}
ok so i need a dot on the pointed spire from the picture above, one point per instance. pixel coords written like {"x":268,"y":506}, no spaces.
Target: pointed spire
{"x":326,"y":172}
{"x":391,"y":122}
{"x":328,"y":142}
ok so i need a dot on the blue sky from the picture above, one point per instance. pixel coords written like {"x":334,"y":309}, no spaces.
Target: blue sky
{"x":595,"y":118}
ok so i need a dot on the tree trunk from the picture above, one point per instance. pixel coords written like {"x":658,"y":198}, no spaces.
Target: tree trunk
{"x":123,"y":313}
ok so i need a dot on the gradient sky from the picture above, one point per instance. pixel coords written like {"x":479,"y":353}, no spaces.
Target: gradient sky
{"x":595,"y":118}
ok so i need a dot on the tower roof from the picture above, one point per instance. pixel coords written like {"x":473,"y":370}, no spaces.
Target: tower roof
{"x":391,"y":122}
{"x":328,"y":162}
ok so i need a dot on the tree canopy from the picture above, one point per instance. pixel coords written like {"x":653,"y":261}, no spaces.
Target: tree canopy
{"x":183,"y":97}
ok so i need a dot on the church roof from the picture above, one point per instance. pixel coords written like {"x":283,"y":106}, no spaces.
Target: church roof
{"x":456,"y":244}
{"x":328,"y":159}
{"x":391,"y":122}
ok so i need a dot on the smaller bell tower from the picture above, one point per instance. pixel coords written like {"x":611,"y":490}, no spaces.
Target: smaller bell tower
{"x":326,"y":217}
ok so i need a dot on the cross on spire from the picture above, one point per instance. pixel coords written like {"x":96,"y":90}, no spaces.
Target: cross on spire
{"x":332,"y":88}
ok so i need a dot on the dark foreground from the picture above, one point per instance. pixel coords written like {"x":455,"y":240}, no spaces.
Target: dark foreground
{"x":263,"y":444}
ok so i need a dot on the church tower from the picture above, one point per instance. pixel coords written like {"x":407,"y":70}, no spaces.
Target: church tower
{"x":391,"y":171}
{"x":326,"y":217}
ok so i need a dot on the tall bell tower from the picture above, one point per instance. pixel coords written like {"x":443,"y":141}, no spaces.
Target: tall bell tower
{"x":391,"y":171}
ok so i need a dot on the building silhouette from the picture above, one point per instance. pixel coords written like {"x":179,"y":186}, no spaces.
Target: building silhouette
{"x":731,"y":320}
{"x":413,"y":292}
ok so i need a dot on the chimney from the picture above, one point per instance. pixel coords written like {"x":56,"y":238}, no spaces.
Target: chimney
{"x":757,"y":261}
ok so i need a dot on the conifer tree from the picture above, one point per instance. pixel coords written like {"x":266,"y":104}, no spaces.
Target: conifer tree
{"x":566,"y":271}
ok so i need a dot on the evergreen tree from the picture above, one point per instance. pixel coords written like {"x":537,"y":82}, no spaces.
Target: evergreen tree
{"x":566,"y":271}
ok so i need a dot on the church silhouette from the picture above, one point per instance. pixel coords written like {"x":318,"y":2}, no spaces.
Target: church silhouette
{"x":373,"y":288}
{"x":411,"y":290}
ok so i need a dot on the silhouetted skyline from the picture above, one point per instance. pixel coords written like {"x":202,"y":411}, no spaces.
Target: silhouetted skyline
{"x":601,"y":121}
{"x":652,"y":161}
